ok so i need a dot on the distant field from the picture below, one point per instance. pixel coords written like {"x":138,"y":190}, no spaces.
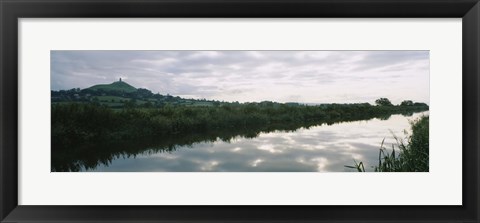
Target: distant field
{"x":118,"y":101}
{"x":110,"y":98}
{"x":201,"y":104}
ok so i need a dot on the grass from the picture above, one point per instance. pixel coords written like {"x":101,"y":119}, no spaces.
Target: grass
{"x":410,"y":157}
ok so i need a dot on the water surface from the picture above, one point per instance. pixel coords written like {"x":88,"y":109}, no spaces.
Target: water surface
{"x":324,"y":148}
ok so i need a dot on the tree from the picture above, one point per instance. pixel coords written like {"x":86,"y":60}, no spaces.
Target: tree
{"x":143,"y":93}
{"x":383,"y":102}
{"x":406,"y":103}
{"x":420,"y":104}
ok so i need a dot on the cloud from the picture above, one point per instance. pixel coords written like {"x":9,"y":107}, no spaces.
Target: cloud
{"x":399,"y":60}
{"x":312,"y":76}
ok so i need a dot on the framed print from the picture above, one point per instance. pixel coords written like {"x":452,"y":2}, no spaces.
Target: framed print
{"x":239,"y":111}
{"x":260,"y":130}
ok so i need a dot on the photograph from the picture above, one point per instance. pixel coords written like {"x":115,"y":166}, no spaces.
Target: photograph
{"x":239,"y":110}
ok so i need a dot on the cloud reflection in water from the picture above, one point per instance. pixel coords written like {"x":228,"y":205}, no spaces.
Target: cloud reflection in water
{"x":325,"y":148}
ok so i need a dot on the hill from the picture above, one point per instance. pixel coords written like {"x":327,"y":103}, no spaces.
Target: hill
{"x":115,"y":86}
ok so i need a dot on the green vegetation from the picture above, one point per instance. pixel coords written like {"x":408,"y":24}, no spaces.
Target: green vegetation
{"x":410,"y":157}
{"x":115,"y":86}
{"x":78,"y":122}
{"x":383,"y":102}
{"x":406,"y":103}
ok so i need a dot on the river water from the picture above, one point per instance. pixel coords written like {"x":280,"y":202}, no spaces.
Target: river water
{"x":325,"y":148}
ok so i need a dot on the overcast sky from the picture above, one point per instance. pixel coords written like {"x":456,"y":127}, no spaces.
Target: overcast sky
{"x":282,"y":76}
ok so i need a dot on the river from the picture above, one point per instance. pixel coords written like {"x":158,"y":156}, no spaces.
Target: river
{"x":324,"y":148}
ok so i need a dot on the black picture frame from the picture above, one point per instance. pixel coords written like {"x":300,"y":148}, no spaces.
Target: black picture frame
{"x":12,"y":10}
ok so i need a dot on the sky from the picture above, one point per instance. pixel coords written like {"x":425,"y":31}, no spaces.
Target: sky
{"x":253,"y":76}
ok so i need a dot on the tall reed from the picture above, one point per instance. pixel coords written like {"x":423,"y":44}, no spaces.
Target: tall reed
{"x":410,"y":157}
